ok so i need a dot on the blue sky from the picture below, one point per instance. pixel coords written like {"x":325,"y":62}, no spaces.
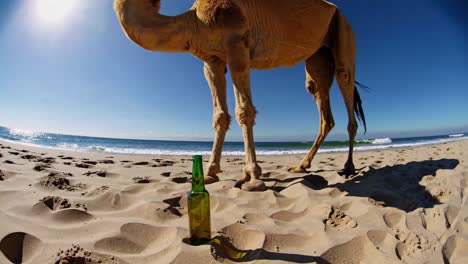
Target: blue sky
{"x":81,"y":75}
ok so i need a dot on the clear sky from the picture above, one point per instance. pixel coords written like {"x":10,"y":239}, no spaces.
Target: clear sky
{"x":69,"y":68}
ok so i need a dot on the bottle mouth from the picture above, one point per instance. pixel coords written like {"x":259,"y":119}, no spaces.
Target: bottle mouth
{"x":197,"y":157}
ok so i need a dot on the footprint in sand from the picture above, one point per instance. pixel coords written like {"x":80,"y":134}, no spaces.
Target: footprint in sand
{"x":46,"y":160}
{"x":166,"y":174}
{"x":100,"y":173}
{"x":180,"y":179}
{"x":83,"y":165}
{"x":78,"y":255}
{"x":141,"y":179}
{"x":57,"y":203}
{"x":174,"y":206}
{"x":413,"y":245}
{"x":164,"y":163}
{"x":135,"y":238}
{"x":141,"y":163}
{"x":90,"y":162}
{"x":57,"y":180}
{"x":106,"y":161}
{"x":337,"y":219}
{"x":20,"y":247}
{"x":41,"y":167}
{"x":98,"y":190}
{"x":30,"y":157}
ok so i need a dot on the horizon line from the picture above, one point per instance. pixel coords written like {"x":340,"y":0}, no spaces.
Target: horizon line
{"x":208,"y":140}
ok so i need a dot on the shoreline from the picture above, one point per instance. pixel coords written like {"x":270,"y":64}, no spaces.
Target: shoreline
{"x":403,"y":205}
{"x":320,"y":152}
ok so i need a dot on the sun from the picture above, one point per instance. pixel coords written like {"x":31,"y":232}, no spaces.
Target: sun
{"x":53,"y":12}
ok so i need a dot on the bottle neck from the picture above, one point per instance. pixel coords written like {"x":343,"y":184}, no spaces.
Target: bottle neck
{"x":198,"y":183}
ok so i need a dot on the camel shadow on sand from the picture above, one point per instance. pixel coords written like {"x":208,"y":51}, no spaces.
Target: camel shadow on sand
{"x":390,"y":186}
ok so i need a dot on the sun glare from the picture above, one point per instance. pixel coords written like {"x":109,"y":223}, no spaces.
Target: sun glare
{"x":54,"y":11}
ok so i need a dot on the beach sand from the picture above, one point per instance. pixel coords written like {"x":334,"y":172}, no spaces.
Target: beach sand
{"x":404,"y":206}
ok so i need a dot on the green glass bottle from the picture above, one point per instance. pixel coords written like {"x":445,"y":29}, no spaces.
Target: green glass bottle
{"x":199,"y":206}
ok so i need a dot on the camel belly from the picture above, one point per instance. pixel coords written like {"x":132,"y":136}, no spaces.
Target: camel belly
{"x":279,"y":55}
{"x":284,"y":33}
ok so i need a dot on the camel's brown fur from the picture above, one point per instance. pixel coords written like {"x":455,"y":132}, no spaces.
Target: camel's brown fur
{"x":261,"y":34}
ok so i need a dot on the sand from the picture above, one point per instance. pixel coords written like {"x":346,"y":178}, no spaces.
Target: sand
{"x":404,"y":206}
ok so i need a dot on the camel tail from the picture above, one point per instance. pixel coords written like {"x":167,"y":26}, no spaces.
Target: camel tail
{"x":358,"y":105}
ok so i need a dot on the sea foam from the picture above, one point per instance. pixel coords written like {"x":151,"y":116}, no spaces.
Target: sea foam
{"x":379,"y":141}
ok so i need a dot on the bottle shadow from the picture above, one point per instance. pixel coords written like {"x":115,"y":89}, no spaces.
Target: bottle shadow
{"x":390,"y":186}
{"x":222,"y":249}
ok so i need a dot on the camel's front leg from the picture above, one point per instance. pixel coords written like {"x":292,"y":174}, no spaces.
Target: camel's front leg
{"x":215,"y":76}
{"x":239,"y":65}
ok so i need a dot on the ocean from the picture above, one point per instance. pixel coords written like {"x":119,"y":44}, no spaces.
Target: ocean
{"x":184,"y":148}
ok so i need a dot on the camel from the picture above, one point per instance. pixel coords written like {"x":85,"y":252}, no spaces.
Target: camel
{"x":240,"y":35}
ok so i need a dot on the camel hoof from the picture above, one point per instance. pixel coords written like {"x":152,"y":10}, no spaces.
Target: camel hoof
{"x":213,"y":169}
{"x":254,"y":186}
{"x":297,"y":170}
{"x":240,"y":182}
{"x":211,"y":179}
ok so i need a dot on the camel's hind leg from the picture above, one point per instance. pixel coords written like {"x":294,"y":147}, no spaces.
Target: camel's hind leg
{"x":319,"y":78}
{"x":344,"y":51}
